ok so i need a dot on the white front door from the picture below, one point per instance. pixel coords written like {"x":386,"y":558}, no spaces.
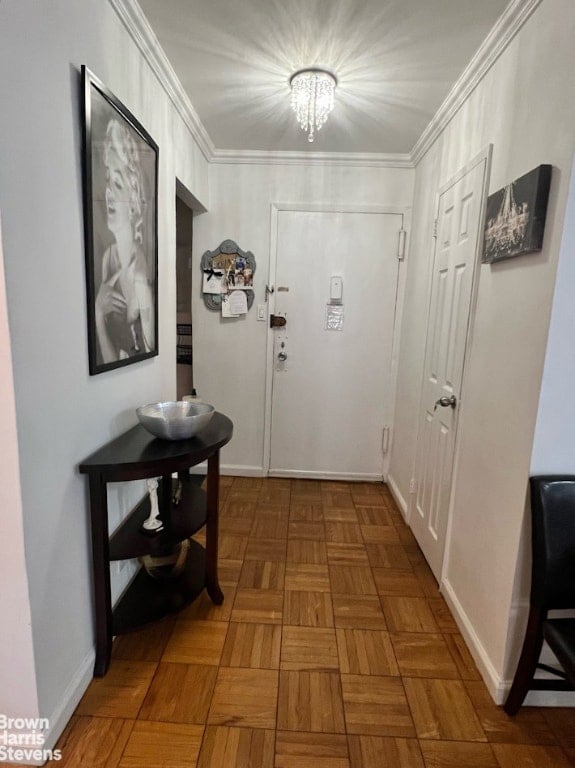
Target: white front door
{"x":332,"y":392}
{"x":457,"y":234}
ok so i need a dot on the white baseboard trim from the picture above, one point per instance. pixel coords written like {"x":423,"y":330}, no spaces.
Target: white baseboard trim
{"x":398,"y":496}
{"x":242,"y":470}
{"x":495,"y":685}
{"x":352,"y":477}
{"x":71,"y":698}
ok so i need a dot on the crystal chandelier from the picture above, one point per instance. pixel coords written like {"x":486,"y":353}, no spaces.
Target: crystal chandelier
{"x":312,"y":98}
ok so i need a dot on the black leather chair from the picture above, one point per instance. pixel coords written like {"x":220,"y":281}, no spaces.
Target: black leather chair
{"x":552,"y":588}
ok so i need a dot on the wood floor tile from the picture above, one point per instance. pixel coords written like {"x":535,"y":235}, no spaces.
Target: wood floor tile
{"x":392,"y":582}
{"x":256,"y":646}
{"x":121,"y":692}
{"x":341,"y":499}
{"x":351,"y":580}
{"x":297,"y":530}
{"x":308,"y":648}
{"x":229,"y":572}
{"x":388,"y":556}
{"x":427,"y":580}
{"x":303,"y":512}
{"x":358,"y":612}
{"x":408,"y":614}
{"x":340,"y":515}
{"x":443,"y":616}
{"x":458,"y":754}
{"x":423,"y":655}
{"x":347,"y":554}
{"x":384,"y":752}
{"x":196,"y":642}
{"x":147,"y":644}
{"x":236,"y":526}
{"x":275,"y":495}
{"x":262,"y":606}
{"x":302,"y":750}
{"x":269,"y":528}
{"x":231,"y":547}
{"x":306,"y":551}
{"x":310,"y":701}
{"x":366,"y":652}
{"x":87,"y":742}
{"x":262,"y":574}
{"x":180,"y":693}
{"x":562,"y":723}
{"x":380,"y":534}
{"x":308,"y":609}
{"x":528,"y":726}
{"x":307,"y":578}
{"x":305,"y":489}
{"x":414,"y":554}
{"x":245,"y":697}
{"x":405,"y":535}
{"x":376,"y":706}
{"x":345,"y":533}
{"x":225,"y":747}
{"x":362,"y":493}
{"x":266,"y":549}
{"x":203,"y":609}
{"x":514,"y":755}
{"x":272,"y":511}
{"x":163,"y":745}
{"x":242,"y":510}
{"x":442,"y":710}
{"x":461,"y":656}
{"x":374,"y":516}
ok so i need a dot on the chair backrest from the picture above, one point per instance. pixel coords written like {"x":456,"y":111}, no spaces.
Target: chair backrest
{"x":553,"y":543}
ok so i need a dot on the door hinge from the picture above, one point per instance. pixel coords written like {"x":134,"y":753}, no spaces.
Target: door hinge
{"x":412,"y":485}
{"x":435,"y":228}
{"x":385,"y":440}
{"x":401,"y":244}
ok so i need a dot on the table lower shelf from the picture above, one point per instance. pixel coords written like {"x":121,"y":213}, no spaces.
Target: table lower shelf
{"x":147,"y":599}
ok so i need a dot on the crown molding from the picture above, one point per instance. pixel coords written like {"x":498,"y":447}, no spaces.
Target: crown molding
{"x":508,"y":25}
{"x":145,"y":38}
{"x":264,"y":157}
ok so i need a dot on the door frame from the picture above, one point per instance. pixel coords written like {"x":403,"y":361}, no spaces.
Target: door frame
{"x":485,"y":155}
{"x":275,"y":209}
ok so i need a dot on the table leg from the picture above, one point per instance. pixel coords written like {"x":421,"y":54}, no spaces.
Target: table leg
{"x":213,"y":491}
{"x":100,"y":560}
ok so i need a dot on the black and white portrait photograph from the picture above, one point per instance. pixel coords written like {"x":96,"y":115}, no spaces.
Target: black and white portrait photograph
{"x":515,"y":217}
{"x":120,"y":201}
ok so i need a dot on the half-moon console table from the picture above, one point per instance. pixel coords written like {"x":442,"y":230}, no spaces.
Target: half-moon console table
{"x":184,"y":509}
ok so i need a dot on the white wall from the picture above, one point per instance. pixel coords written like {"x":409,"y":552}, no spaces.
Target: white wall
{"x":525,"y":106}
{"x":63,"y":414}
{"x":230,"y":355}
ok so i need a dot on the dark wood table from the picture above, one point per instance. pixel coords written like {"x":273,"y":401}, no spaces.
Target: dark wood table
{"x":137,"y":455}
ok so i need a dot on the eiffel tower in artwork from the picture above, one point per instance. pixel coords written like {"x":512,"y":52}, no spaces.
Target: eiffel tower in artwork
{"x":504,"y":234}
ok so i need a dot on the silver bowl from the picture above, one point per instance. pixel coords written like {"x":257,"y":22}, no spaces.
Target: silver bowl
{"x":175,"y":420}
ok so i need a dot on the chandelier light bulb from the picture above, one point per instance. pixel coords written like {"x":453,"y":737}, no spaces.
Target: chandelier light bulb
{"x":312,"y":98}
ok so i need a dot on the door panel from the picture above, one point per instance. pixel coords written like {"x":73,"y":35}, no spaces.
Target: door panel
{"x":451,"y":287}
{"x":331,"y":396}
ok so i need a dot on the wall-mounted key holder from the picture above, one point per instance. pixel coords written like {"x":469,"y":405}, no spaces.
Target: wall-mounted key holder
{"x":226,"y":271}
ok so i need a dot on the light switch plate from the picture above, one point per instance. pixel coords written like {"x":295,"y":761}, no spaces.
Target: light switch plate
{"x":262,"y":312}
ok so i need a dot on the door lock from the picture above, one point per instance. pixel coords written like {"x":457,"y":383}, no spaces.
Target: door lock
{"x":277,"y":321}
{"x":444,"y":402}
{"x":282,"y":356}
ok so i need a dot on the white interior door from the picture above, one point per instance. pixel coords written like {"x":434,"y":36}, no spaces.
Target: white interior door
{"x":332,"y":392}
{"x":458,"y":228}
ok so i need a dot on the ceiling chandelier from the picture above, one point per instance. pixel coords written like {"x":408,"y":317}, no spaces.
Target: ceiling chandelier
{"x":312,"y":93}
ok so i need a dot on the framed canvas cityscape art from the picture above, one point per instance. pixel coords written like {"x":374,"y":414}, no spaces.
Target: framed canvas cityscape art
{"x":515,"y":217}
{"x":120,"y":165}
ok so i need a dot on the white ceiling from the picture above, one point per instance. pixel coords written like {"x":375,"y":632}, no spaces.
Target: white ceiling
{"x":395,"y":61}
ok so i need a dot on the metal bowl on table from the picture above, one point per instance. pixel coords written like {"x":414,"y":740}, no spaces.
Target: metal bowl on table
{"x":175,"y":420}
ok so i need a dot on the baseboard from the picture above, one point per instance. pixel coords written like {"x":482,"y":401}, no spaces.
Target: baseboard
{"x":495,"y":685}
{"x":398,"y":496}
{"x":352,"y":477}
{"x":70,"y":699}
{"x":242,"y":470}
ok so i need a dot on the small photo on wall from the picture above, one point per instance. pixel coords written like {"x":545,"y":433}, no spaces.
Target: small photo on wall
{"x":120,"y":222}
{"x":515,"y":217}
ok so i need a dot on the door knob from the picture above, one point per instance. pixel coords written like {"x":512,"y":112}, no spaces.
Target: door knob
{"x":282,"y":357}
{"x":444,"y":402}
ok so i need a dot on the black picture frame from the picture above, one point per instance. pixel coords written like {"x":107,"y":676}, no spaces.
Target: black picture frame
{"x":120,"y":176}
{"x":515,"y":216}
